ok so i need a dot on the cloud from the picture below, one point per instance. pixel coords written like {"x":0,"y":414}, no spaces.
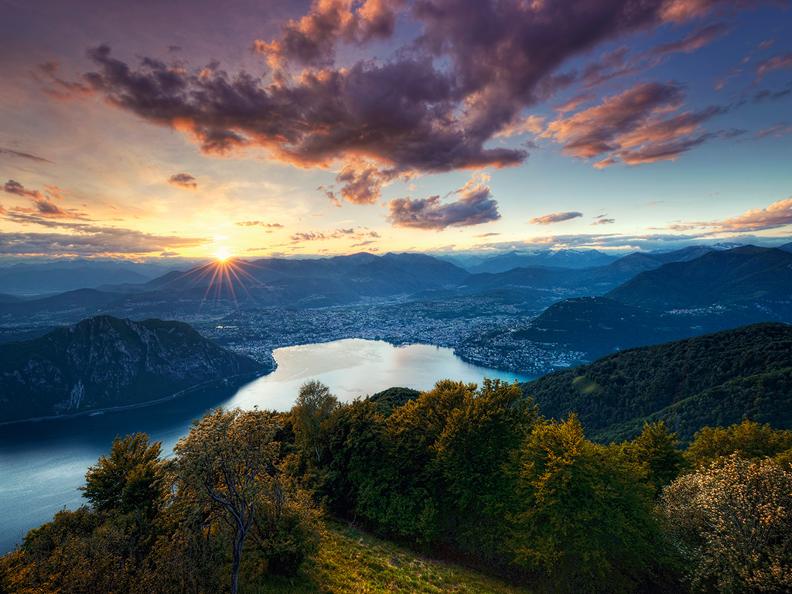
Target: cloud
{"x":692,"y":42}
{"x":311,"y":39}
{"x":361,"y":183}
{"x":776,"y":130}
{"x":92,"y":241}
{"x":433,"y":106}
{"x":259,"y":224}
{"x":23,"y":155}
{"x":603,"y":220}
{"x":42,"y":202}
{"x":555,"y":217}
{"x":354,"y":233}
{"x":633,"y":126}
{"x":779,"y":62}
{"x":474,"y":206}
{"x":768,"y":95}
{"x":399,"y":113}
{"x":183,"y":180}
{"x":778,"y":214}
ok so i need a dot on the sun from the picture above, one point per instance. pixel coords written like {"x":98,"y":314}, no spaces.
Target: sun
{"x":222,"y":254}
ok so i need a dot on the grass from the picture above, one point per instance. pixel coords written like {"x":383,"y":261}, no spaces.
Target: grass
{"x":349,"y":560}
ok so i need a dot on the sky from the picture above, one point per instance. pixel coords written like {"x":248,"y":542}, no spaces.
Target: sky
{"x":190,"y":128}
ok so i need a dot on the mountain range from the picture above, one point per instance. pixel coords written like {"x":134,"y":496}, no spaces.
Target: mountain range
{"x":107,"y":362}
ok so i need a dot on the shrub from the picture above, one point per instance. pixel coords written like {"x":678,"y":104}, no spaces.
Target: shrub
{"x":732,"y":521}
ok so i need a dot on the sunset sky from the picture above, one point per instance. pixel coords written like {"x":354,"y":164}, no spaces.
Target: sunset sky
{"x":253,"y":128}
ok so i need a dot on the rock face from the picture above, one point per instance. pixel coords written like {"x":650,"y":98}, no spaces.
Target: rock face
{"x":105,"y":361}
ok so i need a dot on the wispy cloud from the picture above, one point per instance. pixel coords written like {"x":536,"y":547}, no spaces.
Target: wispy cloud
{"x":4,"y":151}
{"x":556,"y":217}
{"x":775,"y":215}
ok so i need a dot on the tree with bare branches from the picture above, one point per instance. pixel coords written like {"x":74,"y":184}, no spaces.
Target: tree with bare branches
{"x":229,"y":459}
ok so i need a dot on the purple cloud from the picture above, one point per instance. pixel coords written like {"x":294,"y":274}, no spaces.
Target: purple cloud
{"x":474,"y":206}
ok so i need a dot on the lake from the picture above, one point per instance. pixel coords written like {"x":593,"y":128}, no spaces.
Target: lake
{"x":43,"y":464}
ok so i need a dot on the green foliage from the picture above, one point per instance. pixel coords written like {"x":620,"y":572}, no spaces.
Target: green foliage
{"x":587,"y":521}
{"x":717,"y":379}
{"x":472,"y":456}
{"x":129,"y":479}
{"x":309,"y":416}
{"x":731,"y":521}
{"x":657,"y":451}
{"x":748,"y":440}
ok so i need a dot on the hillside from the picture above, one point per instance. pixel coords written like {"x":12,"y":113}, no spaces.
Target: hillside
{"x":740,"y":275}
{"x":103,"y":362}
{"x":349,"y":560}
{"x":715,"y":379}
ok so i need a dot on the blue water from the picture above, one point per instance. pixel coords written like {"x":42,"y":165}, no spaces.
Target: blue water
{"x":43,"y":464}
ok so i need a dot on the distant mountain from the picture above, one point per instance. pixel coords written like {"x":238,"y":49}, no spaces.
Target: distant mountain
{"x":739,"y":275}
{"x":717,"y":379}
{"x":301,"y":282}
{"x":585,"y":281}
{"x":79,"y":304}
{"x":548,"y":258}
{"x":105,"y":362}
{"x":57,"y":277}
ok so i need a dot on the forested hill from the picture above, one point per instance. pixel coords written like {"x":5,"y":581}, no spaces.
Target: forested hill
{"x":716,"y":379}
{"x":105,"y":362}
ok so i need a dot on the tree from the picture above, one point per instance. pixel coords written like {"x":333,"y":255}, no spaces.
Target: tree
{"x":656,"y":449}
{"x":129,"y":479}
{"x":587,"y":520}
{"x":748,"y":439}
{"x":472,"y":455}
{"x":310,"y":414}
{"x":732,"y":520}
{"x":229,"y":458}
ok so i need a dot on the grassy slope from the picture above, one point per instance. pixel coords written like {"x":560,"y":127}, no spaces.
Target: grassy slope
{"x":349,"y":560}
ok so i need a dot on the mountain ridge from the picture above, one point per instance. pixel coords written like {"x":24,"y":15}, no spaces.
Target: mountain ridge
{"x":105,"y":362}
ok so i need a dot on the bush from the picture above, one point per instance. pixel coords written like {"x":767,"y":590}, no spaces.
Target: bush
{"x":587,"y":520}
{"x":732,"y":521}
{"x":747,"y":439}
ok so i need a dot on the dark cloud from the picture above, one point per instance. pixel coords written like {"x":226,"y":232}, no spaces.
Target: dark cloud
{"x":401,"y":113}
{"x":434,"y":107}
{"x":473,"y":206}
{"x":183,"y":180}
{"x":42,"y":202}
{"x":556,"y":217}
{"x":23,"y":155}
{"x":634,"y":127}
{"x":311,"y":40}
{"x":603,"y":220}
{"x":361,"y":183}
